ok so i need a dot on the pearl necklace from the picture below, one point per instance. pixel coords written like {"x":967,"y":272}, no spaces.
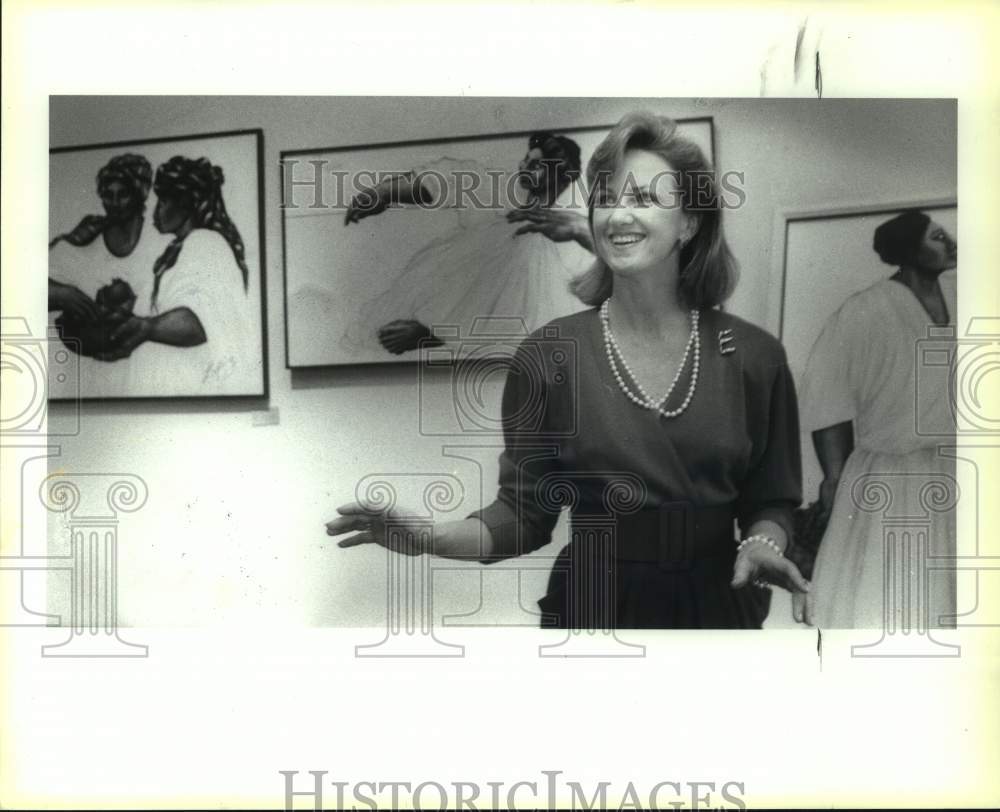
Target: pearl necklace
{"x":643,"y":399}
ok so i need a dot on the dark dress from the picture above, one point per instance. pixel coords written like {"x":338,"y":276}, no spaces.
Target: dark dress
{"x":653,"y":500}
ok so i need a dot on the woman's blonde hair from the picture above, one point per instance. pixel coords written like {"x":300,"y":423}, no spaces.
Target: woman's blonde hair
{"x":708,"y":269}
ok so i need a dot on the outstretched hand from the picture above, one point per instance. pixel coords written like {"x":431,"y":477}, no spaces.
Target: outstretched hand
{"x":394,"y":529}
{"x":559,"y":225}
{"x":758,"y":561}
{"x":366,"y":203}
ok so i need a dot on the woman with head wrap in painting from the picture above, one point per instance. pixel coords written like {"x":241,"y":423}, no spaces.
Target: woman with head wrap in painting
{"x":199,"y":283}
{"x":123,"y":185}
{"x":189,"y":194}
{"x":861,"y":399}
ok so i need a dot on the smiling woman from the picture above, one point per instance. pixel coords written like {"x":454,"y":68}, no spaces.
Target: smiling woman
{"x":646,"y":163}
{"x":662,"y":478}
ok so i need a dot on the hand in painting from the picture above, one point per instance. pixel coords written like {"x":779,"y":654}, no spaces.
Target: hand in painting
{"x":126,"y":337}
{"x":393,"y":529}
{"x":179,"y":327}
{"x":403,"y":335}
{"x":73,"y":302}
{"x":758,"y":561}
{"x":367,"y":202}
{"x":86,"y":326}
{"x":559,"y":225}
{"x":398,"y":189}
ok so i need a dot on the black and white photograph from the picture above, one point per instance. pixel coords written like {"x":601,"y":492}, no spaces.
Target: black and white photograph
{"x":688,"y":425}
{"x":499,"y":408}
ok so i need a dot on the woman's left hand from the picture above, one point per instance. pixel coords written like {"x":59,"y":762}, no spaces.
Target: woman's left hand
{"x":126,"y":337}
{"x":759,"y":561}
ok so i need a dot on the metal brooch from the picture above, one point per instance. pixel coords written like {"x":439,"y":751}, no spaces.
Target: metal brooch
{"x":726,"y":345}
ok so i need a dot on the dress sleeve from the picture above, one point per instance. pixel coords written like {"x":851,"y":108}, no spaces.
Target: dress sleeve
{"x":72,"y":265}
{"x":207,"y":281}
{"x":521,"y":520}
{"x":827,"y":390}
{"x":772,"y":488}
{"x":452,"y":182}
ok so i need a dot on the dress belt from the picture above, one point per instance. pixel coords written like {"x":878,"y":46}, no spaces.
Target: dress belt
{"x":673,"y":535}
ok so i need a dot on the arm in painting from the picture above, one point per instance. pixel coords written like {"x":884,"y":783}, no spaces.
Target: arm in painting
{"x":833,"y":445}
{"x":70,"y":299}
{"x":179,"y":327}
{"x":559,"y":225}
{"x":402,"y":188}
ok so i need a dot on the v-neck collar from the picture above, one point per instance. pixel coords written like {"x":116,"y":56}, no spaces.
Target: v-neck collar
{"x":950,"y":317}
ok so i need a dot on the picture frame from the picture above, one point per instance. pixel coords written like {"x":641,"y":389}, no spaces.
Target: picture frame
{"x":113,"y":259}
{"x":822,"y":256}
{"x":456,"y":270}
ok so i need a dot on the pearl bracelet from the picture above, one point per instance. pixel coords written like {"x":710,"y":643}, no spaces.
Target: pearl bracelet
{"x":770,"y":542}
{"x":760,"y":583}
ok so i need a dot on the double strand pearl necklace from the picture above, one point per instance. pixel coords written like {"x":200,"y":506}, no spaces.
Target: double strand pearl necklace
{"x":642,"y":398}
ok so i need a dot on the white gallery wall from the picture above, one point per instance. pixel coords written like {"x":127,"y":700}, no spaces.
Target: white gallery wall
{"x":232,"y":531}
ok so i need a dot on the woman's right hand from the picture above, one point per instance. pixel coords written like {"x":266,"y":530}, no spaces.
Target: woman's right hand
{"x":406,"y":533}
{"x":802,"y":608}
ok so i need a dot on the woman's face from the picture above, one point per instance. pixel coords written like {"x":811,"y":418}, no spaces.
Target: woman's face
{"x":537,"y":174}
{"x":170,"y":215}
{"x":638,"y":218}
{"x":938,"y":250}
{"x":118,"y":200}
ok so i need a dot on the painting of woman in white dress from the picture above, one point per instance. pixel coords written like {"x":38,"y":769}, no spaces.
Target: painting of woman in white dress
{"x":860,"y":400}
{"x":87,"y":320}
{"x":197,"y":300}
{"x":168,"y":309}
{"x":512,"y":241}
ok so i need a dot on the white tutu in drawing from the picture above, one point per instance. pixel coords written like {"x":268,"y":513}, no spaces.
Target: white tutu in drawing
{"x":480,"y":270}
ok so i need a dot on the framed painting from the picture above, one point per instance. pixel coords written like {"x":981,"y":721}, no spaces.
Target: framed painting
{"x":156,"y":269}
{"x":392,"y":248}
{"x":823,"y":256}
